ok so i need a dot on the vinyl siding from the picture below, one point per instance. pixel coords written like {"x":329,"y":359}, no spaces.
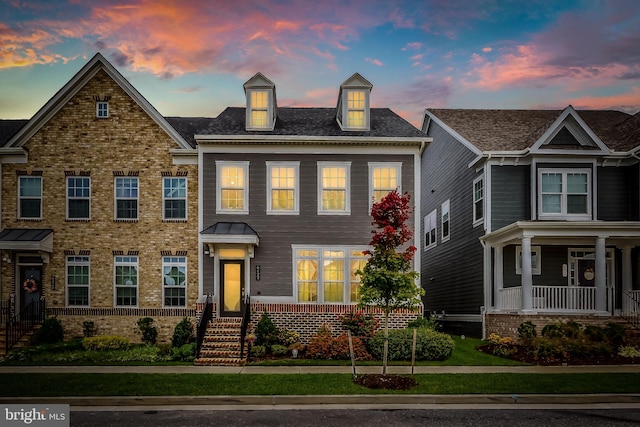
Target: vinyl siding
{"x":510,"y":190}
{"x":452,"y":270}
{"x":614,"y":195}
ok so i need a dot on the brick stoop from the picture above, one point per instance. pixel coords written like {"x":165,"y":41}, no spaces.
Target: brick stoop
{"x":24,"y":341}
{"x":221,"y":344}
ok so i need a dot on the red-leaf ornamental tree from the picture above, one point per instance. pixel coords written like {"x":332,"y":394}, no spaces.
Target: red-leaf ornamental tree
{"x":388,"y":281}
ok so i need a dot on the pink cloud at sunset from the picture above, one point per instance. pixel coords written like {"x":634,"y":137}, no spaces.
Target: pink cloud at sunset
{"x":629,"y":102}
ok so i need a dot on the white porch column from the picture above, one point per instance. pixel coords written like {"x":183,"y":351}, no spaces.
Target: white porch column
{"x":601,"y":275}
{"x":627,"y":279}
{"x":498,"y":280}
{"x":527,"y":280}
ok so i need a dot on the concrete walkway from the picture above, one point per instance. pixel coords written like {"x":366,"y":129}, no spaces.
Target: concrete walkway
{"x":388,"y":401}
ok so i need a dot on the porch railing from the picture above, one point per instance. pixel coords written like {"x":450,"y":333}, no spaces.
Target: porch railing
{"x":205,"y":318}
{"x":4,"y":311}
{"x":551,"y":298}
{"x":246,"y":317}
{"x":631,"y":308}
{"x":18,"y":325}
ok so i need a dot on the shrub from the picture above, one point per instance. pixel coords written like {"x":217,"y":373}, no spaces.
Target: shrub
{"x":89,"y":329}
{"x":287,"y":337}
{"x":616,"y":334}
{"x":424,"y":322}
{"x":185,"y":353}
{"x":149,"y":331}
{"x":51,"y":331}
{"x":325,"y":346}
{"x":266,"y":331}
{"x":361,"y":325}
{"x":105,"y":342}
{"x":183,"y":333}
{"x":595,"y":333}
{"x":568,"y":329}
{"x":629,"y":351}
{"x":430,"y":344}
{"x":527,"y":331}
{"x":279,"y":350}
{"x":257,"y":351}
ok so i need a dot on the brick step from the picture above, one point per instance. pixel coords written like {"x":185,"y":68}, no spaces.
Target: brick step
{"x":223,"y":338}
{"x":214,"y":354}
{"x":222,"y":344}
{"x":219,"y":361}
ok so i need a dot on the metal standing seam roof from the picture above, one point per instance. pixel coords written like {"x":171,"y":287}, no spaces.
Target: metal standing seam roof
{"x":230,"y":228}
{"x":24,"y":234}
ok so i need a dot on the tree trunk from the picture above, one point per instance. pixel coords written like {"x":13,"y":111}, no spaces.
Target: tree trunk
{"x":385,"y":354}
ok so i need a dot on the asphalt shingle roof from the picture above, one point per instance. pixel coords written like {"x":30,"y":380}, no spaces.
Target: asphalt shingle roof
{"x":8,"y":128}
{"x":507,"y":130}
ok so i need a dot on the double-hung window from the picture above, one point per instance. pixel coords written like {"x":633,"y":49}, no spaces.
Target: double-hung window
{"x":283,"y":187}
{"x":232,"y":192}
{"x":174,"y":280}
{"x":327,"y":274}
{"x":445,"y":221}
{"x":102,"y":109}
{"x":30,"y":197}
{"x":564,"y":194}
{"x":383,"y":179}
{"x":356,"y":107}
{"x":126,"y":281}
{"x":430,"y":227}
{"x":126,"y":195}
{"x":78,"y":197}
{"x":334,"y":188}
{"x":174,"y":198}
{"x":259,"y":109}
{"x":78,"y":281}
{"x":478,"y":201}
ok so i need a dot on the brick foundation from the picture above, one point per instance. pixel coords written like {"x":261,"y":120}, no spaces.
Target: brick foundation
{"x":506,"y":325}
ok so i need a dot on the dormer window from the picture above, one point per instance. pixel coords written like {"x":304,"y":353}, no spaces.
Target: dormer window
{"x":353,"y":112}
{"x":261,"y":103}
{"x":102,"y":109}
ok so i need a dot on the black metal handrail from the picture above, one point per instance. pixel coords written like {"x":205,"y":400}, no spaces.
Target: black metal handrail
{"x":18,"y":325}
{"x":4,"y":310}
{"x":246,"y":317}
{"x":203,"y":322}
{"x":631,"y":309}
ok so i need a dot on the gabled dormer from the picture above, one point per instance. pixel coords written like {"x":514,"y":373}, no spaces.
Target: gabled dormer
{"x":353,"y":112}
{"x":261,"y":103}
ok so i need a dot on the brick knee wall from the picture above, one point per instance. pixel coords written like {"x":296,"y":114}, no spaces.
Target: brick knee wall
{"x":506,"y":325}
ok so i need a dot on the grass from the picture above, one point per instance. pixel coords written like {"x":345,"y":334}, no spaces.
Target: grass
{"x":50,"y":385}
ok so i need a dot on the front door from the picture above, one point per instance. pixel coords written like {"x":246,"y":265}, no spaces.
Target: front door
{"x":586,"y":272}
{"x":30,"y":285}
{"x":232,"y":287}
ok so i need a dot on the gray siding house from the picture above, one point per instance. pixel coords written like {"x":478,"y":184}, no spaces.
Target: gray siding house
{"x":285,"y":197}
{"x":537,"y":211}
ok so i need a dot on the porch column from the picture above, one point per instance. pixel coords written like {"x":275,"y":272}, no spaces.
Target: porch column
{"x":527,"y":280}
{"x":627,"y":279}
{"x":498,"y":281}
{"x":601,"y":275}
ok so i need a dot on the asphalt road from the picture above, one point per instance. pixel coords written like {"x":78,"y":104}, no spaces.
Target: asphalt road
{"x":583,"y":417}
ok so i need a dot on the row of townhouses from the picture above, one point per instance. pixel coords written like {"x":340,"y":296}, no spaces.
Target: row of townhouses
{"x":111,"y":212}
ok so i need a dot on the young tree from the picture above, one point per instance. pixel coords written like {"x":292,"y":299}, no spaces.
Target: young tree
{"x":388,"y":282}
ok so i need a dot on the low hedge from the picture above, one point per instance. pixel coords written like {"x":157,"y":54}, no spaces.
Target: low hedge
{"x":430,"y":344}
{"x":105,"y":342}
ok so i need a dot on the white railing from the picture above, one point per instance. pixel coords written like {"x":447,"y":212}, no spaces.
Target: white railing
{"x":551,"y":298}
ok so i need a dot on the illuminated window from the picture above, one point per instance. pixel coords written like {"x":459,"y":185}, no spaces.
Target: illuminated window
{"x":334,"y":188}
{"x":259,"y":109}
{"x":356,"y":104}
{"x":383,"y":178}
{"x":282,"y":187}
{"x":232,"y":194}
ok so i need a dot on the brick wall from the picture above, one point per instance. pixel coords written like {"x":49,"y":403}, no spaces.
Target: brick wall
{"x":506,"y":325}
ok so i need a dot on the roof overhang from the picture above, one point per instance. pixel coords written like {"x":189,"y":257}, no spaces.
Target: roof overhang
{"x":230,"y":233}
{"x":27,"y":239}
{"x":310,"y":140}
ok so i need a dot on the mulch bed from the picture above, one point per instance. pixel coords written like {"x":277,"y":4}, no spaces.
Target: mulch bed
{"x":523,"y":355}
{"x":387,"y":382}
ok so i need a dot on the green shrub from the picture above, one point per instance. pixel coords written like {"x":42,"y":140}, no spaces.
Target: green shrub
{"x":51,"y":331}
{"x":360,"y":324}
{"x":595,"y":333}
{"x":148,"y":330}
{"x":616,"y":334}
{"x":185,"y":353}
{"x":527,"y":331}
{"x":266,"y":331}
{"x":629,"y":351}
{"x":89,"y":329}
{"x":568,"y":329}
{"x":287,"y":337}
{"x":279,"y":350}
{"x":257,"y":351}
{"x":105,"y":342}
{"x":183,"y":333}
{"x":430,"y":344}
{"x":424,"y":322}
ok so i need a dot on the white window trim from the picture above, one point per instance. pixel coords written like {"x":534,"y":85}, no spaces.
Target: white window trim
{"x":477,"y":222}
{"x":445,"y":208}
{"x":347,"y":209}
{"x":39,"y":217}
{"x":245,"y":166}
{"x":431,"y":223}
{"x":186,"y":195}
{"x":345,"y":112}
{"x":98,"y":104}
{"x":116,"y":198}
{"x":563,"y":215}
{"x":250,"y":109}
{"x":296,"y":188}
{"x":320,"y":291}
{"x":67,"y":285}
{"x":164,"y":287}
{"x":374,"y":165}
{"x":535,"y":250}
{"x":115,"y":287}
{"x":78,"y":198}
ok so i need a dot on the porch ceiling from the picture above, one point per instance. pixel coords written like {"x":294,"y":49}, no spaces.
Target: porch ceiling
{"x":620,"y":233}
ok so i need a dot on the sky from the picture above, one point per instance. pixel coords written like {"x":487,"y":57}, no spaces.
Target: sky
{"x":190,"y":58}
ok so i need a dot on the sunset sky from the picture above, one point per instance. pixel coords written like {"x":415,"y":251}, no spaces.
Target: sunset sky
{"x":190,"y":58}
